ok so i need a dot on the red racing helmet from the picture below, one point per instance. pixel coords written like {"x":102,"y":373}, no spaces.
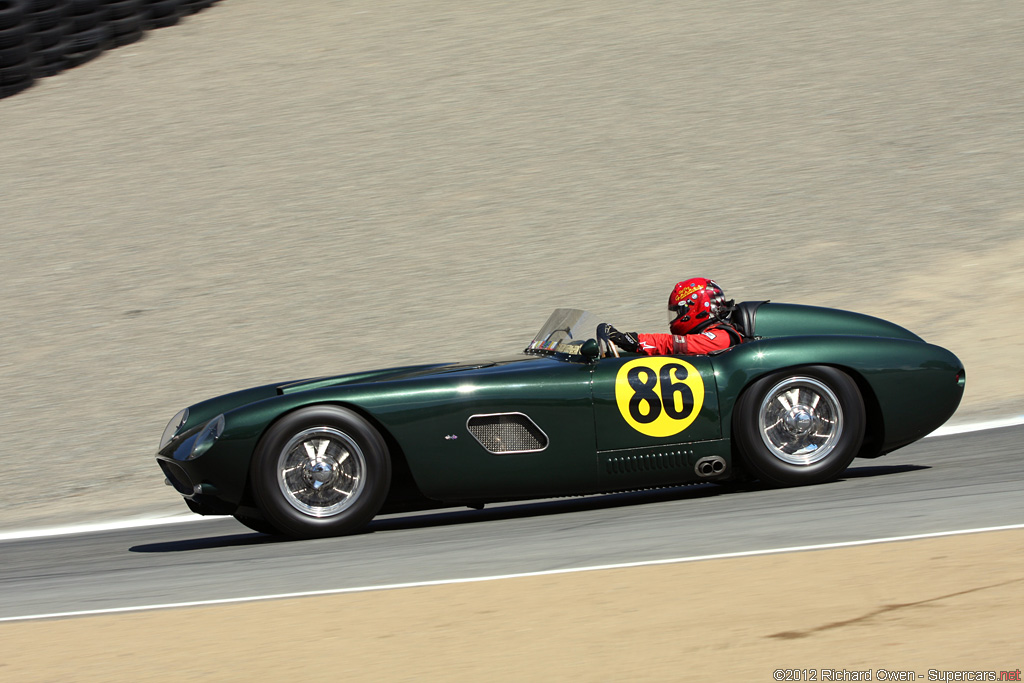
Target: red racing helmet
{"x":694,"y":302}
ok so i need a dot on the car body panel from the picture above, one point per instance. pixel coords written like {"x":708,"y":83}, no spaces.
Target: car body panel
{"x":794,"y":320}
{"x":914,"y":383}
{"x":429,"y":418}
{"x":634,"y":408}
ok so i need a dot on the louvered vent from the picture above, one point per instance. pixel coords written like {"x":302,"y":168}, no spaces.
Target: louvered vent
{"x":507,"y":433}
{"x":646,"y":462}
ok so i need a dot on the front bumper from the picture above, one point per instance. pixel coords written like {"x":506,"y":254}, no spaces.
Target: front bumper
{"x":200,"y":498}
{"x":215,"y":483}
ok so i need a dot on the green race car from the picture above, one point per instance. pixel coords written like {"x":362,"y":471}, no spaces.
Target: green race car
{"x":810,"y":389}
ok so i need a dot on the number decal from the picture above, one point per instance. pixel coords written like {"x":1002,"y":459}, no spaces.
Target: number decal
{"x":659,"y":396}
{"x":642,"y":381}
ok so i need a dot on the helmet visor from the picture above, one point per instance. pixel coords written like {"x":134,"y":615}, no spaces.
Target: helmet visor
{"x":678,"y":311}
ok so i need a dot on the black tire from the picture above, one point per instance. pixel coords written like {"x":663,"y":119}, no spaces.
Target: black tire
{"x":193,"y":6}
{"x":799,"y":426}
{"x":161,"y":22}
{"x":256,"y":524}
{"x":85,"y":41}
{"x":84,"y":22}
{"x":83,"y":6}
{"x":9,"y":56}
{"x":160,"y":8}
{"x":16,"y":35}
{"x":121,"y":39}
{"x":51,"y":61}
{"x":45,"y":19}
{"x":12,"y":13}
{"x":320,"y":471}
{"x":48,"y":38}
{"x":122,"y":9}
{"x":119,"y":27}
{"x":15,"y":73}
{"x":8,"y":89}
{"x":80,"y":56}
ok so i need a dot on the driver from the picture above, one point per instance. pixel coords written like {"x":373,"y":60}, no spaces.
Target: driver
{"x":697,"y":312}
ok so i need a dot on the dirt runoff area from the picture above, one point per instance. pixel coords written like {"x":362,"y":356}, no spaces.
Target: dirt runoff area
{"x":936,"y":605}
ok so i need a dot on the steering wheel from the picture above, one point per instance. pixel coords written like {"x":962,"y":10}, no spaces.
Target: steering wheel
{"x":606,"y":349}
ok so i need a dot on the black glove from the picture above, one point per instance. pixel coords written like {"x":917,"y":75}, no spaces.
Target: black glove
{"x":626,"y":341}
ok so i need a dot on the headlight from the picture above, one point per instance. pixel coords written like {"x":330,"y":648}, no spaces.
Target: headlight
{"x":211,"y":432}
{"x":172,"y":427}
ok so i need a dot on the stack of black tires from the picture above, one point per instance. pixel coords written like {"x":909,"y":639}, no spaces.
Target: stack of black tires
{"x":41,"y":38}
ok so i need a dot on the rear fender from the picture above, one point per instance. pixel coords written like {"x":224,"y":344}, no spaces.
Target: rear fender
{"x":910,"y":388}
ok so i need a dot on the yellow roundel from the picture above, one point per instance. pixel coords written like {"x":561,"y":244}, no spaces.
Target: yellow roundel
{"x":659,"y":396}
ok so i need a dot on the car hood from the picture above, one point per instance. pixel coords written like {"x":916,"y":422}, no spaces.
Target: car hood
{"x":390,"y":374}
{"x":202,"y":412}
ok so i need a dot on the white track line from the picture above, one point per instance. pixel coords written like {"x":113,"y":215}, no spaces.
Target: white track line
{"x":500,"y":577}
{"x":949,"y":430}
{"x":101,"y":526}
{"x":180,"y":519}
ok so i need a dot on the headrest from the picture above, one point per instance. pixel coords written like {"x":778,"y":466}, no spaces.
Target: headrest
{"x":743,"y":315}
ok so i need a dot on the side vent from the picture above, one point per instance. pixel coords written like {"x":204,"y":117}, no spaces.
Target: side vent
{"x":646,"y":462}
{"x":505,"y":433}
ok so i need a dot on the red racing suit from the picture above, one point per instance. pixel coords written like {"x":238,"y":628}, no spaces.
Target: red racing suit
{"x":715,"y":337}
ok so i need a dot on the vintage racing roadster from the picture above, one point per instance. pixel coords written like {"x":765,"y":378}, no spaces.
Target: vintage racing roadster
{"x":811,"y":389}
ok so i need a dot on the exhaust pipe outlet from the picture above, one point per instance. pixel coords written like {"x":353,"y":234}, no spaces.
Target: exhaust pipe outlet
{"x":710,"y":466}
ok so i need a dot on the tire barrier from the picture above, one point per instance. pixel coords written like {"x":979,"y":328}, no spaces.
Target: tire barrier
{"x":41,"y":38}
{"x":161,"y":13}
{"x":15,"y":48}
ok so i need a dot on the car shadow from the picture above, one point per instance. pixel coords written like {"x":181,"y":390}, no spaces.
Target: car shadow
{"x":880,"y":470}
{"x":521,"y":510}
{"x":540,"y":508}
{"x":449,"y":516}
{"x":208,"y":543}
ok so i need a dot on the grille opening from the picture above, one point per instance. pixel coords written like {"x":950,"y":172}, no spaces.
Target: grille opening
{"x":179,"y":480}
{"x":507,"y":433}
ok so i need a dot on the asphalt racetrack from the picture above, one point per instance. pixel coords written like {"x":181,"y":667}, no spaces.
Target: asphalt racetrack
{"x":939,"y":484}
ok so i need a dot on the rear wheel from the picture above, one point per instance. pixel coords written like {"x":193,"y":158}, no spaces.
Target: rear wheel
{"x":320,"y":471}
{"x":799,"y":426}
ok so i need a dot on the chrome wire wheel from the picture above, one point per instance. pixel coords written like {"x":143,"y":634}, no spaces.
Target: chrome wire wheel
{"x":321,"y":471}
{"x":800,"y":421}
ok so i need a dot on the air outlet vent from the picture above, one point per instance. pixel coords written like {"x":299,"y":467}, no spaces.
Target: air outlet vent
{"x":504,"y":433}
{"x":646,"y":462}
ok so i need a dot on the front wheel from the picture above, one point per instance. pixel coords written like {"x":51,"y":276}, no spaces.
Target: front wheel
{"x":799,"y":426}
{"x":320,"y":471}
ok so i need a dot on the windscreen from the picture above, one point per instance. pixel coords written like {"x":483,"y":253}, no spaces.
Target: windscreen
{"x":564,"y":332}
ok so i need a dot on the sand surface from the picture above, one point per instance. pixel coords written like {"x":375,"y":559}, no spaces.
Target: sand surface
{"x":948,"y":604}
{"x":266,"y":192}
